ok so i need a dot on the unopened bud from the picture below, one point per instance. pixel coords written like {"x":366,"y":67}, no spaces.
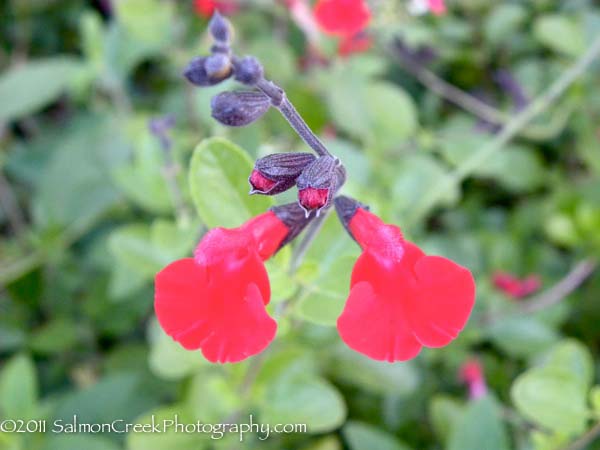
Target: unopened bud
{"x":317,"y":184}
{"x":220,"y":28}
{"x":278,"y":172}
{"x":208,"y":70}
{"x":236,"y":109}
{"x":248,"y":70}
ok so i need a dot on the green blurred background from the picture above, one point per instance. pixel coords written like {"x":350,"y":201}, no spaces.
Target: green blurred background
{"x":93,"y":207}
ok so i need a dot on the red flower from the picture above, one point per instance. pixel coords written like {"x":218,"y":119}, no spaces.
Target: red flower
{"x":437,"y":7}
{"x":515,"y":287}
{"x":216,"y":300}
{"x":400,"y":299}
{"x":358,"y":43}
{"x":342,"y":17}
{"x":206,"y":8}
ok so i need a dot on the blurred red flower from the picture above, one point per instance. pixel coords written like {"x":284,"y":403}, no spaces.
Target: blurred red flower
{"x":206,"y":8}
{"x":437,"y":7}
{"x":358,"y":43}
{"x":216,"y":300}
{"x":342,"y":17}
{"x":401,"y":299}
{"x":516,"y":287}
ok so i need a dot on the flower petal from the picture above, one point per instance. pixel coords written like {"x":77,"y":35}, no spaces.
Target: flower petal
{"x":179,"y":290}
{"x":219,"y":311}
{"x":376,"y":326}
{"x":342,"y":17}
{"x":239,"y":329}
{"x":442,"y":303}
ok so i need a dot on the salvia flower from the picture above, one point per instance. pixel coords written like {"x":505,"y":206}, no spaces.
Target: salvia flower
{"x":277,"y":173}
{"x":206,"y":8}
{"x":342,"y":17}
{"x":216,"y":300}
{"x":400,"y":299}
{"x":515,"y":287}
{"x":240,"y":108}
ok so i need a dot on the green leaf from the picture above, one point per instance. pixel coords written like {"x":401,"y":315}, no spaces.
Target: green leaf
{"x":379,"y":113}
{"x":374,"y":376}
{"x":147,"y":20}
{"x":504,"y":20}
{"x":522,"y":336}
{"x":27,"y":88}
{"x":418,"y":172}
{"x":306,"y":400}
{"x":553,"y":398}
{"x":18,"y":388}
{"x":168,"y":359}
{"x":572,"y":356}
{"x":361,"y":436}
{"x":57,"y":336}
{"x":142,"y":180}
{"x":516,"y":168}
{"x":323,"y":299}
{"x":218,"y":177}
{"x":561,"y":33}
{"x":145,"y":250}
{"x":117,"y":396}
{"x":444,"y":414}
{"x":212,"y":398}
{"x":595,"y":400}
{"x":480,"y":427}
{"x":74,"y":186}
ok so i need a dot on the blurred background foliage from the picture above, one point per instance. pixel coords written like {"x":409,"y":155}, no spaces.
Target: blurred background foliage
{"x":93,"y":207}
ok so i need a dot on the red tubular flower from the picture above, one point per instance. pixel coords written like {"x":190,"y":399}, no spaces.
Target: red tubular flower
{"x":400,"y":299}
{"x":206,"y":8}
{"x":515,"y":287}
{"x":357,"y":43}
{"x":342,"y":17}
{"x":216,"y":301}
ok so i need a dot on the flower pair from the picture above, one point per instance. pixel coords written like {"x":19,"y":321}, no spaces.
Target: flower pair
{"x":400,"y":299}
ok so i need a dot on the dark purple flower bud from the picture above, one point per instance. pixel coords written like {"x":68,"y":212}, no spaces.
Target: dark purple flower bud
{"x":346,"y":207}
{"x":218,"y":66}
{"x":248,"y":70}
{"x":293,"y":216}
{"x":276,"y":173}
{"x":318,"y":183}
{"x":196,"y":71}
{"x":236,"y":109}
{"x":219,"y":28}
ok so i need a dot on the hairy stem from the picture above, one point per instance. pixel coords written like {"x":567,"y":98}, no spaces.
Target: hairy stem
{"x":282,"y":103}
{"x":564,"y":287}
{"x":307,"y":240}
{"x":509,"y":131}
{"x":586,"y":439}
{"x":472,"y":104}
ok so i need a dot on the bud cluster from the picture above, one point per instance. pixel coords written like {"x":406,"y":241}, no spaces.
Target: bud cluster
{"x":317,"y":177}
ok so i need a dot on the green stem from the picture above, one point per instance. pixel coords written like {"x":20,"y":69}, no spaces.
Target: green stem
{"x":509,"y":131}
